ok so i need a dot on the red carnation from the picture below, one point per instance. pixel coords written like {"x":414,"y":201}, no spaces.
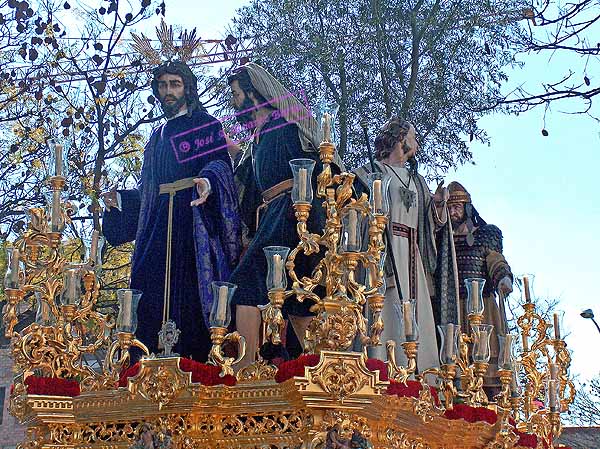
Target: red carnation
{"x":376,"y":364}
{"x":202,"y":373}
{"x":52,"y":386}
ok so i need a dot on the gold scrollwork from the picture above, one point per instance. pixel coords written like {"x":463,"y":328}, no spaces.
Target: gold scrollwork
{"x":257,"y":371}
{"x":340,"y":379}
{"x":160,"y":381}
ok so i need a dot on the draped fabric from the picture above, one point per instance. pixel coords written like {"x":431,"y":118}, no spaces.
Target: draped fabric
{"x":216,"y":256}
{"x":205,"y":239}
{"x":278,"y":143}
{"x":290,"y":108}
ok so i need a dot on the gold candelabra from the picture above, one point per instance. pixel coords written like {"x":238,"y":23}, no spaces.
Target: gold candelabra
{"x":339,"y":311}
{"x":67,"y":327}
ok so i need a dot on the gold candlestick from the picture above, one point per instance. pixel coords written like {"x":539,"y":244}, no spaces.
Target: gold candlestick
{"x":218,"y":336}
{"x":503,"y":398}
{"x":13,"y":297}
{"x":401,"y":373}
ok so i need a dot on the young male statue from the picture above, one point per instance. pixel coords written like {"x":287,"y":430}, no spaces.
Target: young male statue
{"x":415,"y":216}
{"x":186,"y":158}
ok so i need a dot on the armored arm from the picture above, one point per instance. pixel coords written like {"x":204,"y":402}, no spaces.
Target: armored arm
{"x":497,"y":266}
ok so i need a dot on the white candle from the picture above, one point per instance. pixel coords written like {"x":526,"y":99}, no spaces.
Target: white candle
{"x":552,"y":394}
{"x":222,"y":305}
{"x":483,"y":338}
{"x":58,"y":149}
{"x":14,"y":266}
{"x":302,"y":177}
{"x":525,"y":343}
{"x":352,"y":231}
{"x":55,"y":217}
{"x":408,"y":324}
{"x":554,"y":369}
{"x":277,"y":271}
{"x":506,"y":350}
{"x":514,"y":385}
{"x":127,"y":303}
{"x":526,"y":289}
{"x":94,"y":246}
{"x":475,"y":296}
{"x":72,"y":289}
{"x":326,"y":123}
{"x":556,"y":327}
{"x":449,"y":342}
{"x":377,"y":195}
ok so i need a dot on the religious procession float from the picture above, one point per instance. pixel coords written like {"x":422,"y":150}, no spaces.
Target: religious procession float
{"x":332,"y":396}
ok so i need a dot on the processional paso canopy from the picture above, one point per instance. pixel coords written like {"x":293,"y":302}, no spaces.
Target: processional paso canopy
{"x":331,"y":397}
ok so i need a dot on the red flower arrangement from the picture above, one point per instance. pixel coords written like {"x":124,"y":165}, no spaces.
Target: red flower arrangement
{"x":376,"y":364}
{"x":295,"y":368}
{"x":201,"y":373}
{"x":526,"y":439}
{"x":475,"y":414}
{"x":412,"y":389}
{"x":52,"y":386}
{"x":471,"y":414}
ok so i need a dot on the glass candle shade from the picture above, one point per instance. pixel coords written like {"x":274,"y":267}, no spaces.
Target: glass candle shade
{"x":326,"y":114}
{"x":351,"y":236}
{"x":449,"y":342}
{"x":220,"y":311}
{"x":375,"y":272}
{"x":411,"y":329}
{"x":552,"y":395}
{"x":57,"y":162}
{"x":556,"y":325}
{"x":302,"y":189}
{"x":276,"y":274}
{"x":54,"y":209}
{"x":506,"y":357}
{"x":71,"y":292}
{"x":379,"y":185}
{"x":94,"y":246}
{"x":515,"y":381}
{"x":475,"y":295}
{"x":525,"y":284}
{"x":43,"y":313}
{"x":13,"y":264}
{"x":127,"y":319}
{"x":481,"y":342}
{"x":554,"y":371}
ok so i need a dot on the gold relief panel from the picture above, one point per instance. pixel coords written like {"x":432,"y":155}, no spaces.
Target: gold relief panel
{"x":257,"y":371}
{"x":343,"y":375}
{"x":160,"y":380}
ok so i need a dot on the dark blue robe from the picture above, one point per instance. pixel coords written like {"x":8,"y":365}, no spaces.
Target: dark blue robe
{"x":278,"y":144}
{"x":206,"y":239}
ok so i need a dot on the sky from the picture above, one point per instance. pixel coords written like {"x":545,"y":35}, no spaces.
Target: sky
{"x":540,"y":191}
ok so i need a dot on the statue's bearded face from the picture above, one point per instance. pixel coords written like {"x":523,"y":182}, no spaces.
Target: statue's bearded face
{"x":171,"y":93}
{"x":244,"y":106}
{"x":457,"y":214}
{"x":406,"y":148}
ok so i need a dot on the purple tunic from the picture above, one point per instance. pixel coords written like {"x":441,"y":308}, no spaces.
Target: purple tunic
{"x":205,"y":240}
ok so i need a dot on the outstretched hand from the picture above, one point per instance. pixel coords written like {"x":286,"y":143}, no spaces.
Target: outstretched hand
{"x":203,"y":189}
{"x":441,"y":194}
{"x":110,"y":199}
{"x":505,"y":286}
